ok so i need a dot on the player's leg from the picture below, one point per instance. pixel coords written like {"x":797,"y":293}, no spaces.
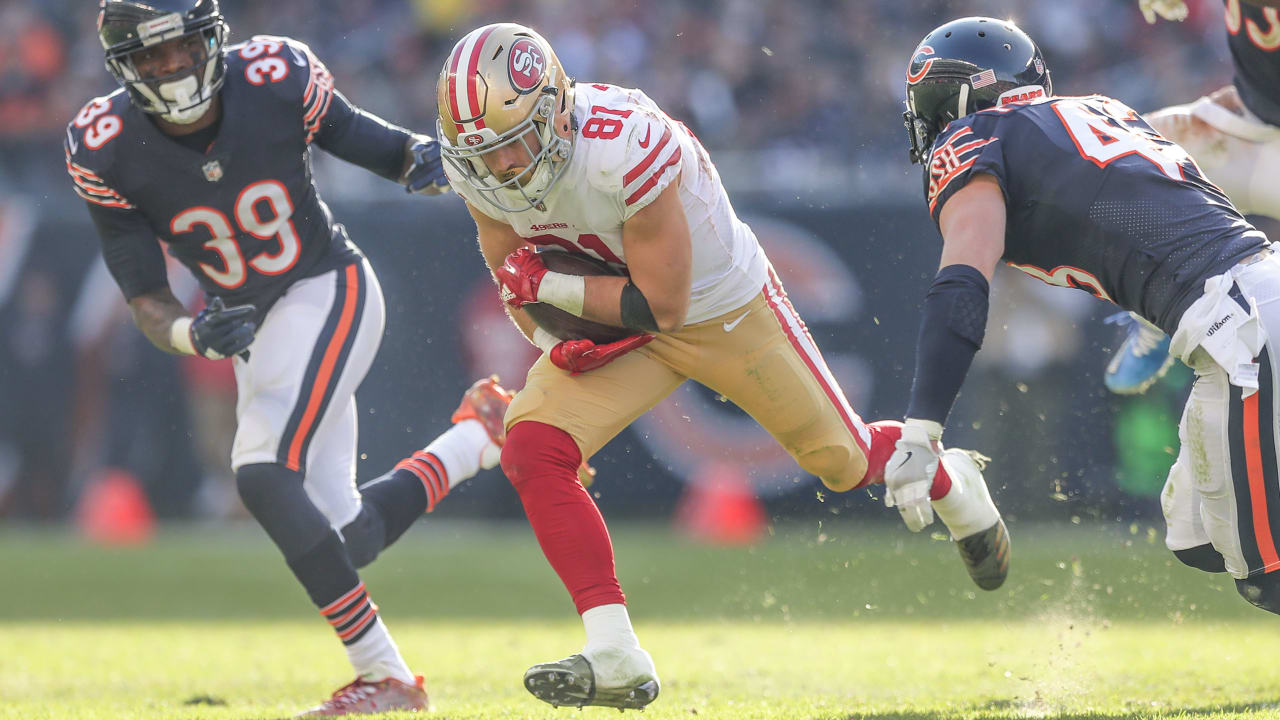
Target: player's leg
{"x":770,"y":367}
{"x":392,"y":502}
{"x":295,"y":441}
{"x":553,"y":423}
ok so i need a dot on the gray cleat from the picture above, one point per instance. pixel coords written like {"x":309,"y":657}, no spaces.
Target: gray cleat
{"x":986,"y":556}
{"x":572,"y":682}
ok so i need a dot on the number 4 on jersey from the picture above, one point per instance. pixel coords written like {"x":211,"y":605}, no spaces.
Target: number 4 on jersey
{"x":1103,"y":135}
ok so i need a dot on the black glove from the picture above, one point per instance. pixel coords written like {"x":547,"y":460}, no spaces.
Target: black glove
{"x":426,"y":174}
{"x":219,"y":331}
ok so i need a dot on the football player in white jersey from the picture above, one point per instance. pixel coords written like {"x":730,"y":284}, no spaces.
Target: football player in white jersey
{"x":1234,"y":136}
{"x":601,"y":171}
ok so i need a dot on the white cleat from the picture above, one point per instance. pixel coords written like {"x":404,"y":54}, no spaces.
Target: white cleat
{"x":974,"y":521}
{"x":607,"y":676}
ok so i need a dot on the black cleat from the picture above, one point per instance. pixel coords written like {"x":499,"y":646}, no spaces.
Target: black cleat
{"x":986,"y":556}
{"x":571,"y":682}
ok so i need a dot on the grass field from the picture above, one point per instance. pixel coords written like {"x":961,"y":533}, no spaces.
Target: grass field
{"x":817,"y":623}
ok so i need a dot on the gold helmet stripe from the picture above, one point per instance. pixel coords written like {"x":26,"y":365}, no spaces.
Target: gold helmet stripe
{"x":464,"y":100}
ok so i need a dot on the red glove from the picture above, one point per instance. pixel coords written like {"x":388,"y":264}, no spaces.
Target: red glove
{"x":579,"y":356}
{"x":520,"y":275}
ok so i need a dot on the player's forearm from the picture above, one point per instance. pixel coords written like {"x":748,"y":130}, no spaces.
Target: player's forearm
{"x":155,"y":313}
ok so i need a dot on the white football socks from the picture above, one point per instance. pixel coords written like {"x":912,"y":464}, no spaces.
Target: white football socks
{"x":376,"y":657}
{"x":464,"y":449}
{"x":609,"y":625}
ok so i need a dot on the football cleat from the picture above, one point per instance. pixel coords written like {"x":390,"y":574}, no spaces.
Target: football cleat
{"x":363,"y":696}
{"x":1142,"y":359}
{"x":486,"y":402}
{"x":974,"y":521}
{"x":572,"y":682}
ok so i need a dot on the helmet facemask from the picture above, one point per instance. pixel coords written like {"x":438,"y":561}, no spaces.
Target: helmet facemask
{"x":530,"y":187}
{"x":182,"y":97}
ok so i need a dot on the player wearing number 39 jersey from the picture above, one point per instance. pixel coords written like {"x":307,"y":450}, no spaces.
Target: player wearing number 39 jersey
{"x":1081,"y":192}
{"x":205,"y":152}
{"x":600,"y":170}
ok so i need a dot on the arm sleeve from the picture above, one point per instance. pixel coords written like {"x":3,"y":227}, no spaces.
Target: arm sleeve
{"x":951,"y":332}
{"x":362,"y":138}
{"x":130,"y":250}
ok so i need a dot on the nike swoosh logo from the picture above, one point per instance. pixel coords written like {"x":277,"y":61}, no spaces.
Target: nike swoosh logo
{"x":645,"y":142}
{"x":906,"y":459}
{"x":729,"y":326}
{"x":71,"y":141}
{"x":298,"y":59}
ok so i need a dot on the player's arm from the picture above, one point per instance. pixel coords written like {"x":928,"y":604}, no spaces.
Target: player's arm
{"x":955,"y":309}
{"x":659,"y":256}
{"x":134,"y":257}
{"x":954,"y":321}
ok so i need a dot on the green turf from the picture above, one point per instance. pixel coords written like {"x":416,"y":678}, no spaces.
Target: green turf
{"x":816,"y":623}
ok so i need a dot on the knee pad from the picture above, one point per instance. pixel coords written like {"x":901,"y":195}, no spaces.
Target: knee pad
{"x":1262,"y":591}
{"x":274,"y":495}
{"x":537,"y":450}
{"x":1202,"y":557}
{"x":837,"y":467}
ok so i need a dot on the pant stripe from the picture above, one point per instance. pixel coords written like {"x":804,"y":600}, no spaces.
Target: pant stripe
{"x":794,"y":327}
{"x":325,"y":367}
{"x":1253,"y":469}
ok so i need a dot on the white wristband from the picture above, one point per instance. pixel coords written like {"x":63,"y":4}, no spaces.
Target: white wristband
{"x":544,"y":340}
{"x":567,"y":292}
{"x":180,"y":336}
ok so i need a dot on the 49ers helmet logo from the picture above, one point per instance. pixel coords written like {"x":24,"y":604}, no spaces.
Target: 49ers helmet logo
{"x":526,"y":65}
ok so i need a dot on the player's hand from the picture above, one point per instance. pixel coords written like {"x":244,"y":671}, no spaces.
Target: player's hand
{"x":426,"y":174}
{"x":579,"y":356}
{"x":1174,"y":10}
{"x":908,"y":476}
{"x":520,"y":275}
{"x":219,"y":331}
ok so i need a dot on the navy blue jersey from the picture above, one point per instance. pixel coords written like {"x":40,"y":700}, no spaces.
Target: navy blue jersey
{"x":244,"y":216}
{"x":1253,"y":34}
{"x":1096,"y":200}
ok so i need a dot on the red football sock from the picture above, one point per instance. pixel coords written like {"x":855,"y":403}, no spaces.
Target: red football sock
{"x":542,"y":463}
{"x":884,"y":436}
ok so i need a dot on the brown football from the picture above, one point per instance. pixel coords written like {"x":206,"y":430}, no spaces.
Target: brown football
{"x":567,"y":326}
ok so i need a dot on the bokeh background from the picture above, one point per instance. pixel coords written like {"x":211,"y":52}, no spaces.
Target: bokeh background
{"x":799,"y":103}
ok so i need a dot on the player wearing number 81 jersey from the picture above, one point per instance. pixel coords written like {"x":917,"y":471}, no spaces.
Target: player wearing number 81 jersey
{"x":1081,"y":192}
{"x":601,"y":170}
{"x":205,"y":150}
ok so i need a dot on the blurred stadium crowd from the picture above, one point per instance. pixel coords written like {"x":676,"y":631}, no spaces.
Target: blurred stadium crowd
{"x":799,"y":102}
{"x":808,"y":84}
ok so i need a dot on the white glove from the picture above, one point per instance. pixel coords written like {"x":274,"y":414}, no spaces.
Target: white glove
{"x":908,"y":476}
{"x":1174,"y":10}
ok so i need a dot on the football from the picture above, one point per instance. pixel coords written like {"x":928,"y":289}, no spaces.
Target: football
{"x":567,"y":326}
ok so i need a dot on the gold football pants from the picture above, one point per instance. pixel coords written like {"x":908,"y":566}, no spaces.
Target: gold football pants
{"x":759,"y":356}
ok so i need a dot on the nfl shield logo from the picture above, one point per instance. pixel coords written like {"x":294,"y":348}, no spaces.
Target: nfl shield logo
{"x":212,"y":171}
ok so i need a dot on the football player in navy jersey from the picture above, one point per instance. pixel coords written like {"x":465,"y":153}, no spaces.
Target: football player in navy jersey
{"x":205,"y":152}
{"x":1234,"y":135}
{"x":1081,"y":192}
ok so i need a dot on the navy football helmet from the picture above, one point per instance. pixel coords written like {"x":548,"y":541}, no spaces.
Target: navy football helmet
{"x":126,"y":27}
{"x":968,"y":65}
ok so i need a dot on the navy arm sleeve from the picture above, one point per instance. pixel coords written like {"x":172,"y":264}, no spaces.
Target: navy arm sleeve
{"x":130,"y":249}
{"x":362,"y":138}
{"x":951,"y":332}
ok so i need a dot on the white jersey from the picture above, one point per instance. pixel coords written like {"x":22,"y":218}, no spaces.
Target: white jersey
{"x":626,"y":151}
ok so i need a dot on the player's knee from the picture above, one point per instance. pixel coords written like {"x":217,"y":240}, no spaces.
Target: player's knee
{"x":274,"y":495}
{"x":1262,"y":591}
{"x":1202,"y":557}
{"x":365,"y":536}
{"x":839,"y":467}
{"x":535,"y":450}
